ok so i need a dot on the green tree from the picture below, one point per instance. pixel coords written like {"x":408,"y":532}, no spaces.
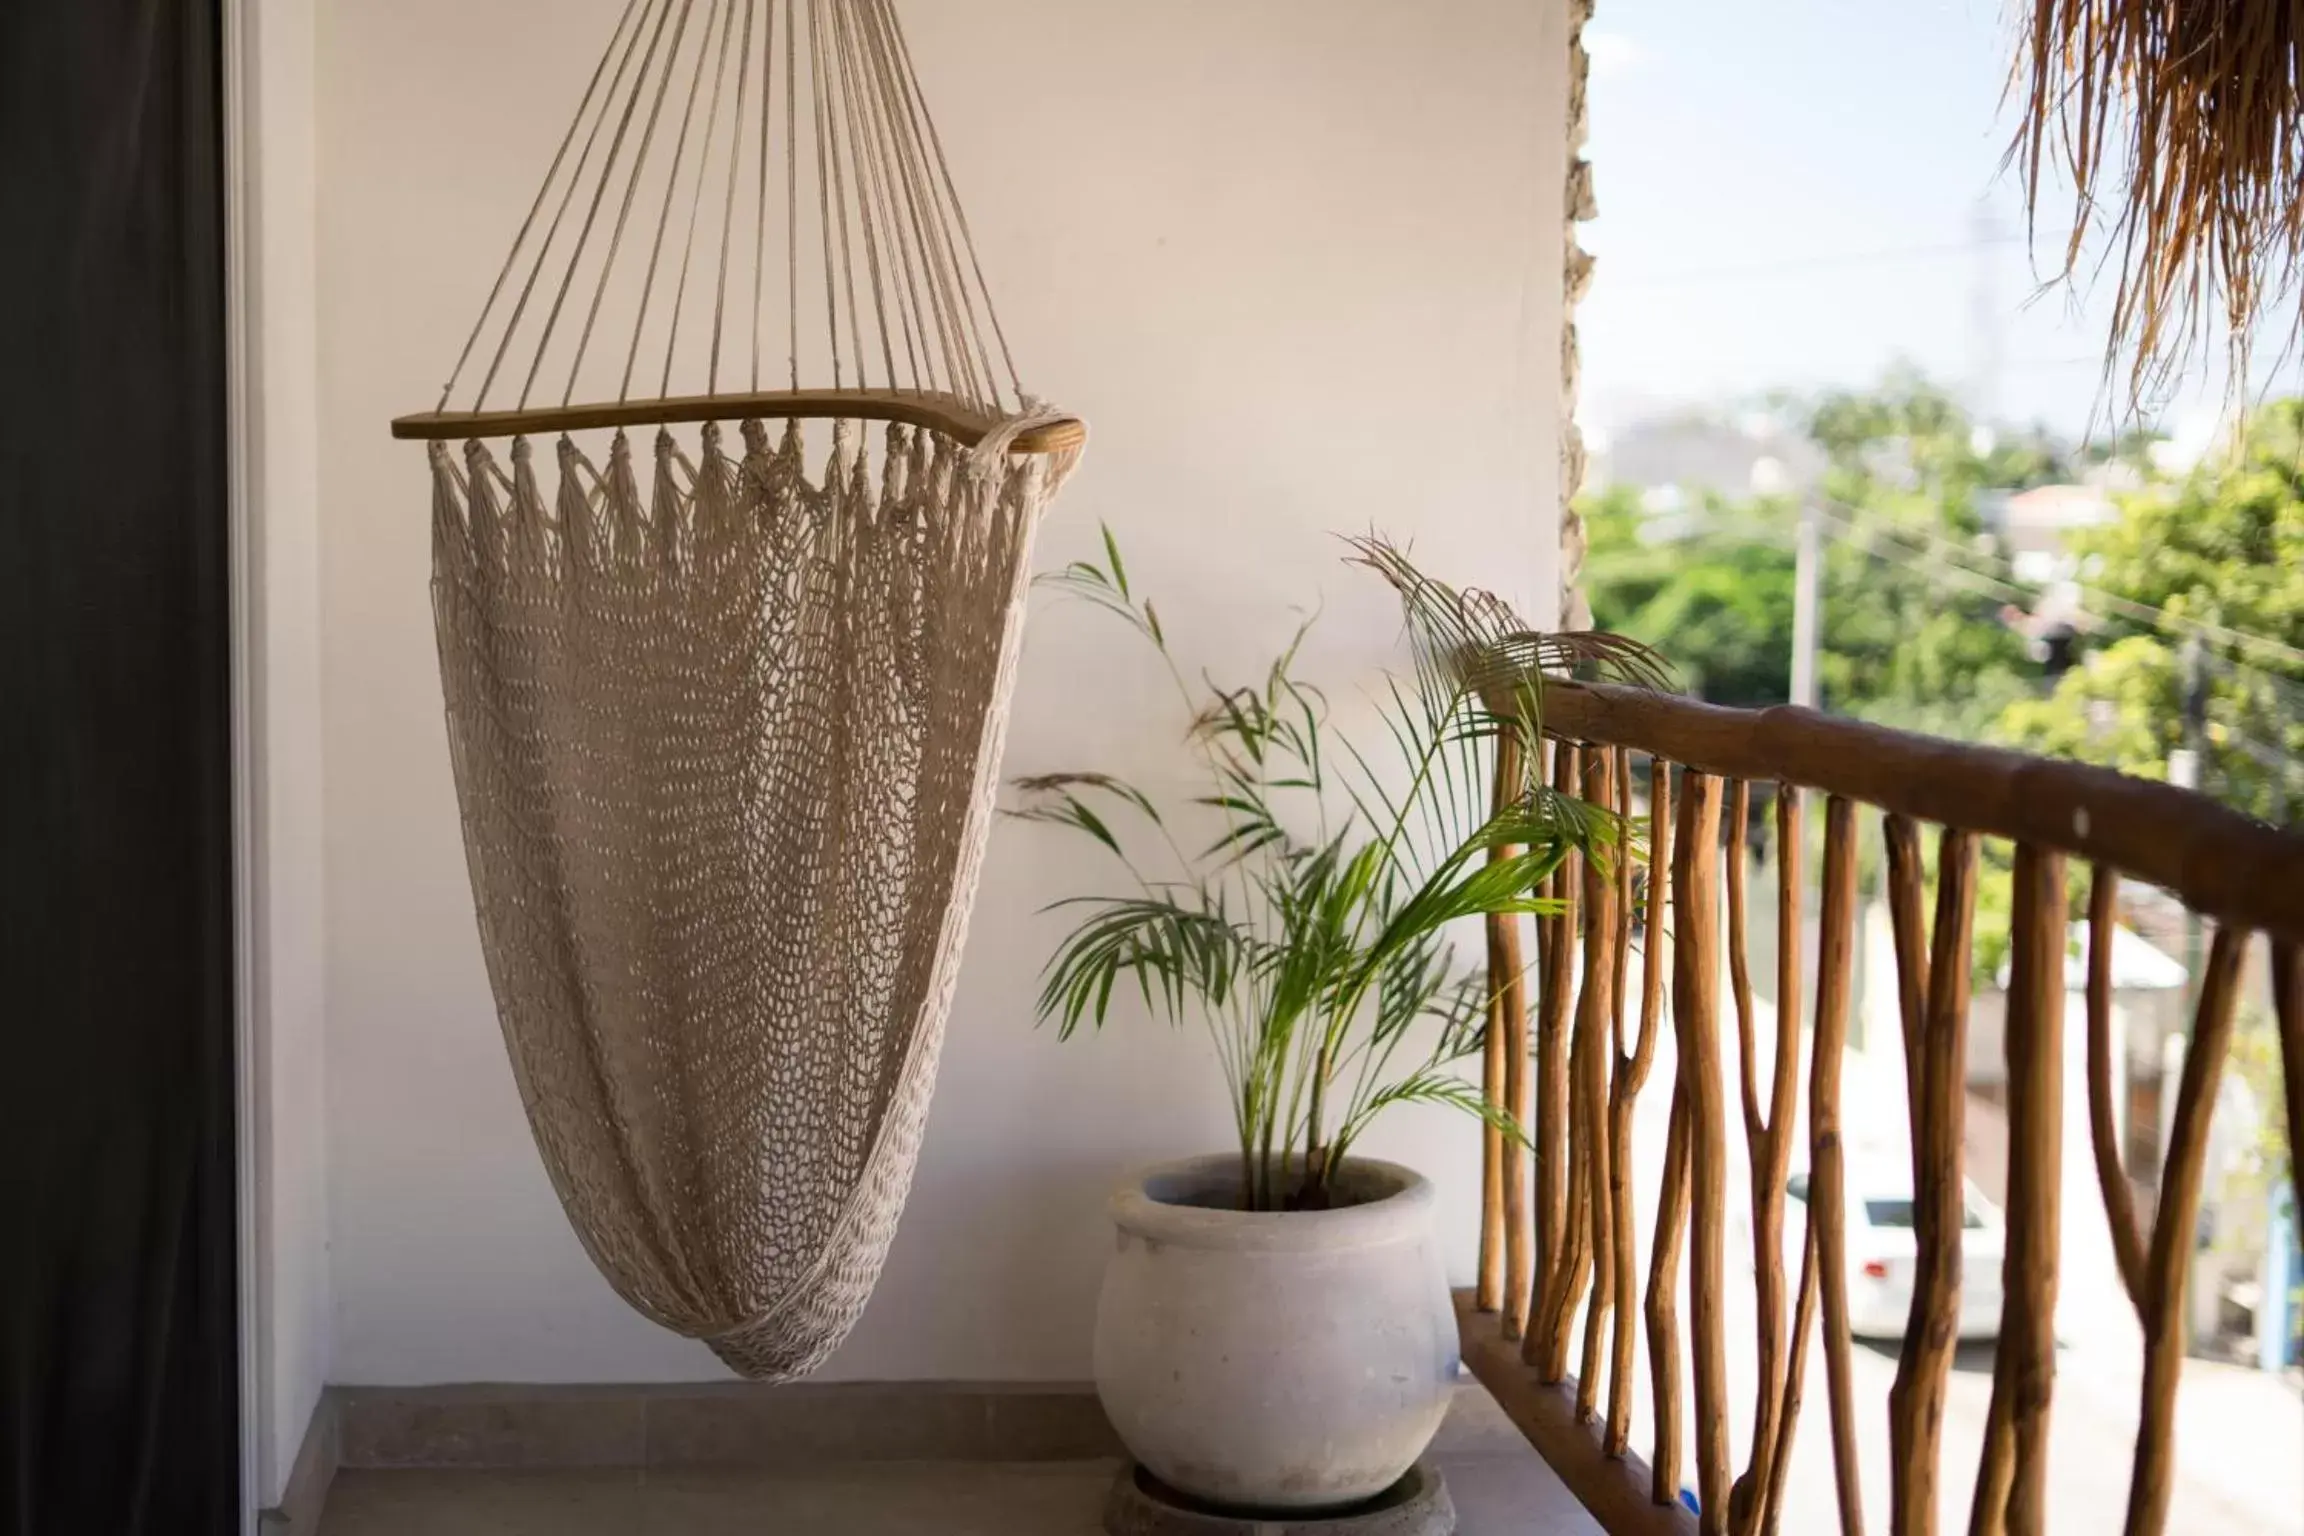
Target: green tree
{"x":1713,"y":585}
{"x":1904,"y":641}
{"x":1913,"y":629}
{"x":2223,"y":547}
{"x":1910,"y":638}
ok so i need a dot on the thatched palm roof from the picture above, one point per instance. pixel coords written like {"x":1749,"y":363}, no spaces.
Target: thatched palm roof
{"x":2179,"y":124}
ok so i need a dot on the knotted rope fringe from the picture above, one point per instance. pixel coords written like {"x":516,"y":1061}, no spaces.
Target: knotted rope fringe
{"x":725,"y":754}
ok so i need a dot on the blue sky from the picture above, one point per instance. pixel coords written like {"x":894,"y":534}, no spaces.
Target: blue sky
{"x":1794,"y":194}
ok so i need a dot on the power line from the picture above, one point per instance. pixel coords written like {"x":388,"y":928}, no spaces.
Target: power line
{"x":1865,"y":540}
{"x":2283,"y":763}
{"x":2264,"y":753}
{"x":2127,"y":608}
{"x":1975,"y":580}
{"x":1950,"y":558}
{"x":2290,"y":690}
{"x":2275,"y":759}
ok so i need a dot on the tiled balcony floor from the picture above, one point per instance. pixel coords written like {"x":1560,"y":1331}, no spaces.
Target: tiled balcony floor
{"x":1501,"y":1492}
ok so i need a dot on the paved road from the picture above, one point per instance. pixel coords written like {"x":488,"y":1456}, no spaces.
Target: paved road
{"x":2239,"y":1447}
{"x":2239,"y":1435}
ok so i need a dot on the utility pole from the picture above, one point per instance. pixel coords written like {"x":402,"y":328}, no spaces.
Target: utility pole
{"x":1807,"y":606}
{"x":1987,"y":325}
{"x":2185,"y":766}
{"x":1807,"y":624}
{"x":2184,"y":771}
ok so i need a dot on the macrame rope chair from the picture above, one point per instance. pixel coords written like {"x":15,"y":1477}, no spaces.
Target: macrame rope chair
{"x":725,"y":731}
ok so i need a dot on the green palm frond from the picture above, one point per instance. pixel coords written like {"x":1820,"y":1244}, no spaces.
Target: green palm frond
{"x":1176,"y":951}
{"x":1061,"y":785}
{"x":1435,"y":1087}
{"x":1472,"y":638}
{"x":1314,"y":929}
{"x":1569,"y":653}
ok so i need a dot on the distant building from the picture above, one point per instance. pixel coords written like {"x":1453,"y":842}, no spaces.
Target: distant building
{"x":1695,"y":454}
{"x":2035,"y":527}
{"x":2037,"y":530}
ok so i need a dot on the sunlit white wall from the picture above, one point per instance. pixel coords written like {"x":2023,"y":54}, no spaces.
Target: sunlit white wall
{"x":1298,"y":261}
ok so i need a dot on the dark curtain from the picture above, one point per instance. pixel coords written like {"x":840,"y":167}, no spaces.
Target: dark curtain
{"x":118,"y":1398}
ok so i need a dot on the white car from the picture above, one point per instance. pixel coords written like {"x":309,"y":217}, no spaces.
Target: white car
{"x":1882,"y":1249}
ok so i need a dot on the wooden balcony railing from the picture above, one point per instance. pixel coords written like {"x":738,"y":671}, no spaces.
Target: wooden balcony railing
{"x":1560,"y":1244}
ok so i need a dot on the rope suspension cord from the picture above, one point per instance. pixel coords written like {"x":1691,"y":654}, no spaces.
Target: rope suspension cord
{"x":671,"y":120}
{"x":726,"y":734}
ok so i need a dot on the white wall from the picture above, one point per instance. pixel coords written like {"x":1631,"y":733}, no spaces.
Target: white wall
{"x":276,"y":311}
{"x":1298,"y":263}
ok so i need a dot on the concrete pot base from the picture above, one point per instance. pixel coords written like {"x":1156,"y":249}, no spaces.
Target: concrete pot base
{"x":1417,"y":1505}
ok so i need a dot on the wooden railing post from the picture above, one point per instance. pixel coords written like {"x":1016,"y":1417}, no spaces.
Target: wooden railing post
{"x":2103,"y":1134}
{"x":1632,"y":1067}
{"x":1664,"y":1299}
{"x":2011,"y":1484}
{"x":2169,"y":1266}
{"x":1916,"y":1402}
{"x":1827,"y":1176}
{"x":1908,"y":920}
{"x":1599,"y":1024}
{"x":1498,"y":1079}
{"x":1696,"y":1016}
{"x":2288,"y":1011}
{"x":1795,"y":1389}
{"x":1570,"y":1270}
{"x":1556,"y":938}
{"x":1508,"y":1003}
{"x":1768,"y":1140}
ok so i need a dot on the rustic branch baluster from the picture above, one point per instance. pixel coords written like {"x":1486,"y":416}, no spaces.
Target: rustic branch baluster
{"x":1555,"y":1239}
{"x":1742,"y":1505}
{"x":1664,"y":1289}
{"x":1738,"y":859}
{"x":1907,"y":916}
{"x":1632,"y":1067}
{"x":1578,"y":1190}
{"x":1827,"y":1177}
{"x":1696,"y":1017}
{"x":1508,"y":1005}
{"x":2288,"y":1010}
{"x":1605,"y":913}
{"x":1588,"y":1022}
{"x":1609,"y":1481}
{"x":2168,"y":1267}
{"x":1502,"y":1074}
{"x":1916,"y":1403}
{"x":1795,"y":1389}
{"x":1769,"y":1146}
{"x":2011,"y":1483}
{"x":2103,"y":1134}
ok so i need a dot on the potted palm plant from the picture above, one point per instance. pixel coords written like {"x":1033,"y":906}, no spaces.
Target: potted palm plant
{"x":1274,"y":1331}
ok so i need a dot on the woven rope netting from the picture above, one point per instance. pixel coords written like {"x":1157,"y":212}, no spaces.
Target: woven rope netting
{"x":725,"y":717}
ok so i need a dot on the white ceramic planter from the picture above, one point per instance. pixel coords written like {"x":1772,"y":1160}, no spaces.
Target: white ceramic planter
{"x":1288,"y":1361}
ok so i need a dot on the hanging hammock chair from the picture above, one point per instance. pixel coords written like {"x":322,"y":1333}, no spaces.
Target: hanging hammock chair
{"x":725,"y":732}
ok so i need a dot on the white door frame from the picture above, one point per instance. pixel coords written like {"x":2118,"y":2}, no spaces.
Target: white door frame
{"x":269,"y":67}
{"x":247,"y":931}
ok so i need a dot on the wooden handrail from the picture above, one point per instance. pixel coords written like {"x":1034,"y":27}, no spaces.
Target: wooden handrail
{"x":2221,"y":863}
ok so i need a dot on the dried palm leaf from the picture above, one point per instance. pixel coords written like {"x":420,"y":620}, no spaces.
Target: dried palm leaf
{"x":2179,"y":125}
